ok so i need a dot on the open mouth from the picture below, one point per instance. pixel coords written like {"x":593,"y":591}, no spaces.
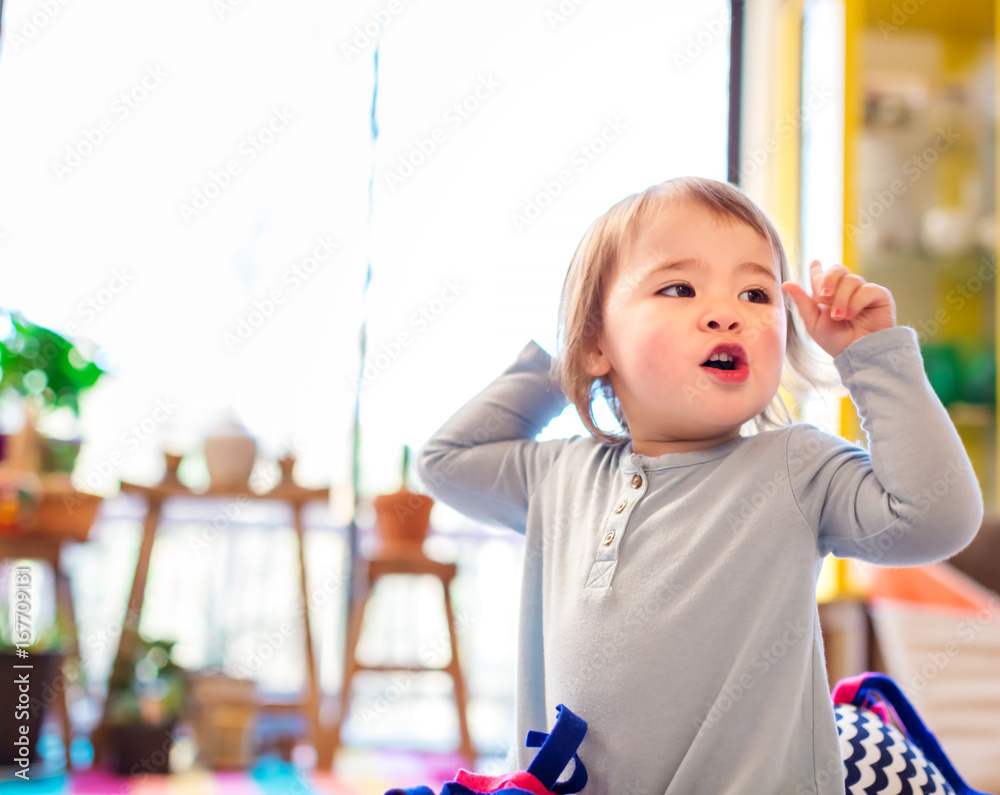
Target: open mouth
{"x":728,"y":363}
{"x":726,"y":357}
{"x":720,"y":362}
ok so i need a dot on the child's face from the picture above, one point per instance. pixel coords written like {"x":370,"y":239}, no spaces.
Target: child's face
{"x":662,"y":324}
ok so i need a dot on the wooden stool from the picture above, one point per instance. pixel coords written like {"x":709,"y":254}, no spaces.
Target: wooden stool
{"x":368,"y":572}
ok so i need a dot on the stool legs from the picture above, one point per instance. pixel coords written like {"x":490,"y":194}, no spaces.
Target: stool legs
{"x":358,"y":604}
{"x":455,"y":669}
{"x":374,"y":569}
{"x":64,"y":602}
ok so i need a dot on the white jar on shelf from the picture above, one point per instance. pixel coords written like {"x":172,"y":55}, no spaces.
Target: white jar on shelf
{"x":230,"y":453}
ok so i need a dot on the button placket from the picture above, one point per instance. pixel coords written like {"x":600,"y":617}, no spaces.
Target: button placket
{"x":620,"y":514}
{"x":605,"y":564}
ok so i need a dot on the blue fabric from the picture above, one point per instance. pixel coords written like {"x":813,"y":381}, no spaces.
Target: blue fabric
{"x":556,"y":750}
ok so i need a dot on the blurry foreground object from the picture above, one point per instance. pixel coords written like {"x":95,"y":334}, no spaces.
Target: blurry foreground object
{"x":939,"y":634}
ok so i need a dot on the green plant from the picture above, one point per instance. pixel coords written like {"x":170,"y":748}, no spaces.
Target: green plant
{"x":148,"y":687}
{"x":42,"y":365}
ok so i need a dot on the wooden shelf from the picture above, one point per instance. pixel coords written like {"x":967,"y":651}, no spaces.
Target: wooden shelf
{"x":282,"y":492}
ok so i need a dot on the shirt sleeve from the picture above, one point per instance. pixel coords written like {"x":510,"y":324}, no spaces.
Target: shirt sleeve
{"x":912,"y":497}
{"x":484,"y":461}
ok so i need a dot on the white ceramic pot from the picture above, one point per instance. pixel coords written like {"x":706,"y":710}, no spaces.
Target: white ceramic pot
{"x":230,"y":454}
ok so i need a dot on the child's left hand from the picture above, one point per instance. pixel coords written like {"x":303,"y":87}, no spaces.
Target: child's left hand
{"x":843,"y":307}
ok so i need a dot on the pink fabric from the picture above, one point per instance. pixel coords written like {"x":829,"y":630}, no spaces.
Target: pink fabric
{"x":846,"y":689}
{"x":497,"y":783}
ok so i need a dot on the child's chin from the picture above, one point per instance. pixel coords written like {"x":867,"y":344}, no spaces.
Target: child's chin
{"x":724,"y":421}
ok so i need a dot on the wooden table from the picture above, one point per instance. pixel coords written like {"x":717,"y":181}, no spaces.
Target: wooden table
{"x":170,"y":488}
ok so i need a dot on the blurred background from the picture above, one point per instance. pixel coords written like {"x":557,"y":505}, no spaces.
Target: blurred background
{"x":249,"y":239}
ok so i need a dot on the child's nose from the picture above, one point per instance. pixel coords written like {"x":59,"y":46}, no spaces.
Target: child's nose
{"x":722,"y":319}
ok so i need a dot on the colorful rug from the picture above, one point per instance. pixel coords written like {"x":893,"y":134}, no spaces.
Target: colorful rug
{"x":356,"y":773}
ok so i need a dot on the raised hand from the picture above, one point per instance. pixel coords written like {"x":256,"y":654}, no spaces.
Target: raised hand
{"x":843,"y":307}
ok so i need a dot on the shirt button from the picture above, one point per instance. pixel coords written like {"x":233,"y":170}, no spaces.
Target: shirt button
{"x":609,"y":537}
{"x":636,"y":481}
{"x":621,"y":506}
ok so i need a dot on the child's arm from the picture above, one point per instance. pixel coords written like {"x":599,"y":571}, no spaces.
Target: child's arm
{"x":914,"y":497}
{"x":484,"y":461}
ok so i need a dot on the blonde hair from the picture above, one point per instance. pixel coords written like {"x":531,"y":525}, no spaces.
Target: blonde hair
{"x":584,"y":292}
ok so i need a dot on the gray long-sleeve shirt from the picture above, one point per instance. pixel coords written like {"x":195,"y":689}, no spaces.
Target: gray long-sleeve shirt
{"x":670,"y":600}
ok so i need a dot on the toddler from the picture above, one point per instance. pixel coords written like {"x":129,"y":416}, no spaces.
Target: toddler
{"x":668,"y":593}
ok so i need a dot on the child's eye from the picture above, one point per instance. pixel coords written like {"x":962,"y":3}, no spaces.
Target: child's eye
{"x":756,"y":296}
{"x":678,"y":291}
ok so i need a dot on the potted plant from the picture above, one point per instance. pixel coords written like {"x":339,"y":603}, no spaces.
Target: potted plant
{"x":146,"y":696}
{"x":403,"y":517}
{"x":25,"y":709}
{"x":224,"y":710}
{"x":50,"y":374}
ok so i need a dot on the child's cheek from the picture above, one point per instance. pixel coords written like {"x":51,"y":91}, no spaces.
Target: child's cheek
{"x":768,"y":324}
{"x":657,"y":354}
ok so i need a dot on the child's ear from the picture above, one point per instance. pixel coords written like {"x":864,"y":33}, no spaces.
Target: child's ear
{"x":595,"y":362}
